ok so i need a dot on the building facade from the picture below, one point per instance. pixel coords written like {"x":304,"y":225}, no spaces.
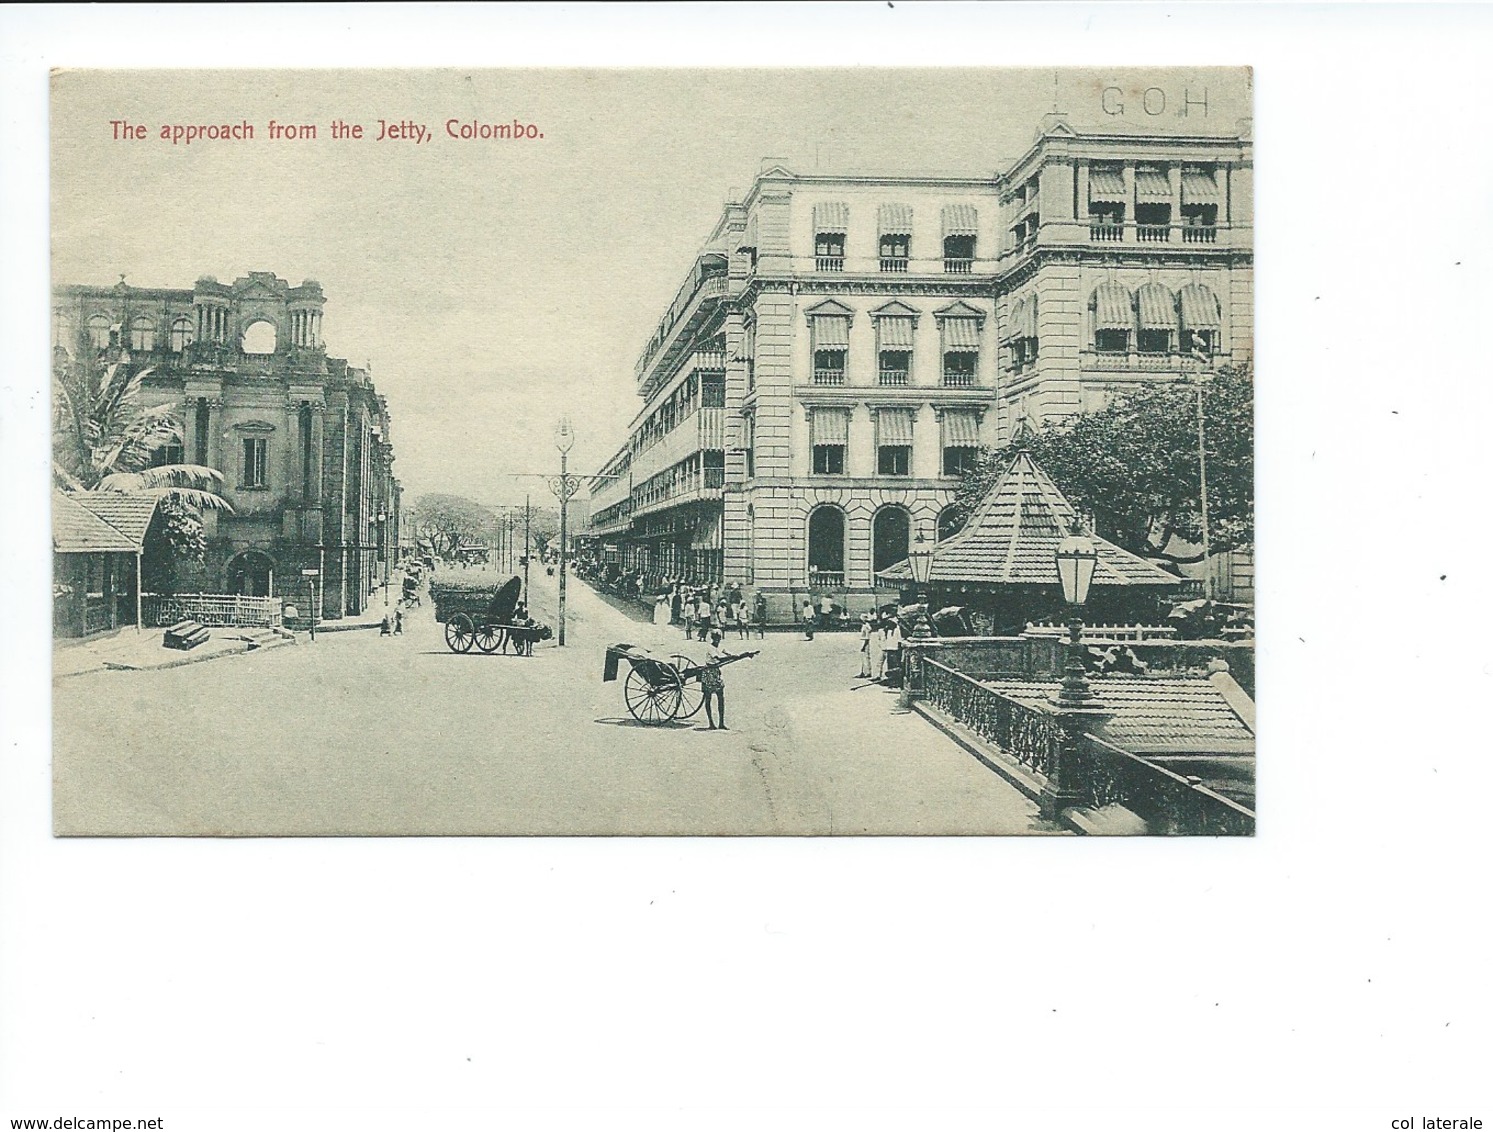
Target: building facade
{"x":302,"y":439}
{"x":844,"y":346}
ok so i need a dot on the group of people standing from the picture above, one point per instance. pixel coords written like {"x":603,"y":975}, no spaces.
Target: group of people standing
{"x":701,"y":609}
{"x":880,"y":635}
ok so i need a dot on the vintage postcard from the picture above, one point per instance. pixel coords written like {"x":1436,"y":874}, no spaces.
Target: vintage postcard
{"x":653,"y":452}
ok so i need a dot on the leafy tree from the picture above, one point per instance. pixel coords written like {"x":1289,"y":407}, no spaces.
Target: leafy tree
{"x":104,"y":439}
{"x":1133,"y":466}
{"x":450,"y":521}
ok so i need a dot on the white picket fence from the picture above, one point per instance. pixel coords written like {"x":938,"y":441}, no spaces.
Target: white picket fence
{"x":219,"y":610}
{"x":1129,"y":633}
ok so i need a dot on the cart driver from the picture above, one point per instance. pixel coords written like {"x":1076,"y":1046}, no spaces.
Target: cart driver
{"x":712,"y":683}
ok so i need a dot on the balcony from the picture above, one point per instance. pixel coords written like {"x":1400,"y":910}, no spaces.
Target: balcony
{"x":896,"y":377}
{"x":1106,"y":233}
{"x":829,"y":377}
{"x":1200,"y":234}
{"x":958,"y":266}
{"x":1132,"y":362}
{"x":826,"y":579}
{"x":894,"y":264}
{"x":955,"y":379}
{"x":829,"y":263}
{"x":1153,"y":233}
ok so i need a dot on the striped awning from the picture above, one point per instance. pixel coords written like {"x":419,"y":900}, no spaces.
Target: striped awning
{"x":1158,"y":310}
{"x":829,"y":426}
{"x":894,"y":333}
{"x":749,"y":238}
{"x":1199,"y":187}
{"x":961,"y":428}
{"x":1017,"y":320}
{"x":1024,"y":319}
{"x":831,"y":216}
{"x":894,"y":219}
{"x":894,"y":426}
{"x":831,"y":332}
{"x":1106,"y":186}
{"x":1112,"y":307}
{"x":961,"y":334}
{"x":1152,"y":185}
{"x":960,"y":220}
{"x":1199,"y":308}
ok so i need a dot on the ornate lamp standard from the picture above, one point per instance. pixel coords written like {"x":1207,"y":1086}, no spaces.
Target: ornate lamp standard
{"x":383,"y":541}
{"x":1076,"y":704}
{"x":920,"y":562}
{"x":565,"y":487}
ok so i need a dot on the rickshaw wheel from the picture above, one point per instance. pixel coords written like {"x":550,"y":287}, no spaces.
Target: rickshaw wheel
{"x":490,"y":638}
{"x":653,"y":703}
{"x":460,"y":633}
{"x":691,"y":691}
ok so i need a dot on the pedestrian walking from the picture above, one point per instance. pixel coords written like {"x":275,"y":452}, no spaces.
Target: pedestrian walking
{"x":866,"y":631}
{"x":877,"y":649}
{"x":759,"y":609}
{"x":398,"y":623}
{"x":806,"y":615}
{"x":702,"y":614}
{"x":674,"y":601}
{"x":386,"y":627}
{"x":739,"y":614}
{"x":661,"y":610}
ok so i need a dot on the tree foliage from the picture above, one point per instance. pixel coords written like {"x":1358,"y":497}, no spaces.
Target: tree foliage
{"x":450,"y":521}
{"x":1133,"y":466}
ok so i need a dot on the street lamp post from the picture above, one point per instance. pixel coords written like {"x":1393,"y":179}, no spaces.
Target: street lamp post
{"x":1077,"y":705}
{"x":383,"y":539}
{"x":920,"y":562}
{"x":564,"y":486}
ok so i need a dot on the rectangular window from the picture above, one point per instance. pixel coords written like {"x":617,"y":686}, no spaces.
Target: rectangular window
{"x":829,"y":459}
{"x":894,"y":252}
{"x":959,"y":460}
{"x":168,"y":454}
{"x":895,"y":367}
{"x":829,"y":251}
{"x":959,"y":369}
{"x":829,"y":367}
{"x":958,"y":254}
{"x":749,"y":445}
{"x":256,"y":462}
{"x":713,"y":391}
{"x":1155,"y":341}
{"x":894,"y":460}
{"x":1112,"y":341}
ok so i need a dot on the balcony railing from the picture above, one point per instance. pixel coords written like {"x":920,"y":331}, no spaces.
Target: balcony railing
{"x":829,"y":263}
{"x":958,"y":265}
{"x":892,"y":377}
{"x":1106,"y":233}
{"x":1153,"y":233}
{"x":826,"y":579}
{"x":1200,"y":234}
{"x":894,"y":263}
{"x":1152,"y":363}
{"x":953,"y":379}
{"x":829,"y":377}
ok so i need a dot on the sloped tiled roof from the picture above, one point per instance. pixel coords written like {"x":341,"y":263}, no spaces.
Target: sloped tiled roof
{"x":1154,"y":715}
{"x":127,"y":512}
{"x":1012,"y":539}
{"x":77,"y":530}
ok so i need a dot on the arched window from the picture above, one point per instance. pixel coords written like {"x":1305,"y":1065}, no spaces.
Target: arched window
{"x":827,"y":547}
{"x":889,"y":538}
{"x":1113,"y":313}
{"x":142,"y":335}
{"x":98,"y":331}
{"x":181,"y":335}
{"x":259,"y":338}
{"x":950,"y":523}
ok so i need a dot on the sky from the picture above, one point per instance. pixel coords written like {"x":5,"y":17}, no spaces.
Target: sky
{"x":494,"y":286}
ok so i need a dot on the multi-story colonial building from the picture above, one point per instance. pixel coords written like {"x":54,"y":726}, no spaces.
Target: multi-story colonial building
{"x":843,"y":346}
{"x":302,"y":440}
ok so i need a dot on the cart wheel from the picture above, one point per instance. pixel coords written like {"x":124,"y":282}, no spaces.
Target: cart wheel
{"x":691,"y":692}
{"x":490,"y":638}
{"x":460,"y":633}
{"x":653,"y":703}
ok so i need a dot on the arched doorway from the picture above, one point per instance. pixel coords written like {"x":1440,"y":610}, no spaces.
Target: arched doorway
{"x":890,"y":534}
{"x":251,"y":574}
{"x":826,"y":547}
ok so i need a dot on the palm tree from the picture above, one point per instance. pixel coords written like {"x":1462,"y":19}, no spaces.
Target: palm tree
{"x":104,"y":440}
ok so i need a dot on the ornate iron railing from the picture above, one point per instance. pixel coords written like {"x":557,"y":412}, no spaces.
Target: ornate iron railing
{"x":1029,"y":735}
{"x":1169,"y":803}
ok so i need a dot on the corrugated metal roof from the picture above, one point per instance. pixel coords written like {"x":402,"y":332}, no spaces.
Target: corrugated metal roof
{"x":1154,"y":715}
{"x":77,"y":530}
{"x":1012,"y":539}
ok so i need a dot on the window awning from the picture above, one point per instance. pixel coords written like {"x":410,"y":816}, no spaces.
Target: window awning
{"x":1153,"y":185}
{"x":749,"y":237}
{"x":961,"y":428}
{"x":895,"y":219}
{"x":894,"y":333}
{"x":831,"y":332}
{"x":1106,"y":186}
{"x":829,"y":426}
{"x":1199,"y":187}
{"x":1017,"y":320}
{"x":894,"y":426}
{"x":961,"y":334}
{"x":1158,"y":310}
{"x":831,"y":217}
{"x":748,"y":342}
{"x":960,"y":220}
{"x":1023,"y":322}
{"x":1199,"y":308}
{"x":1112,"y":307}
